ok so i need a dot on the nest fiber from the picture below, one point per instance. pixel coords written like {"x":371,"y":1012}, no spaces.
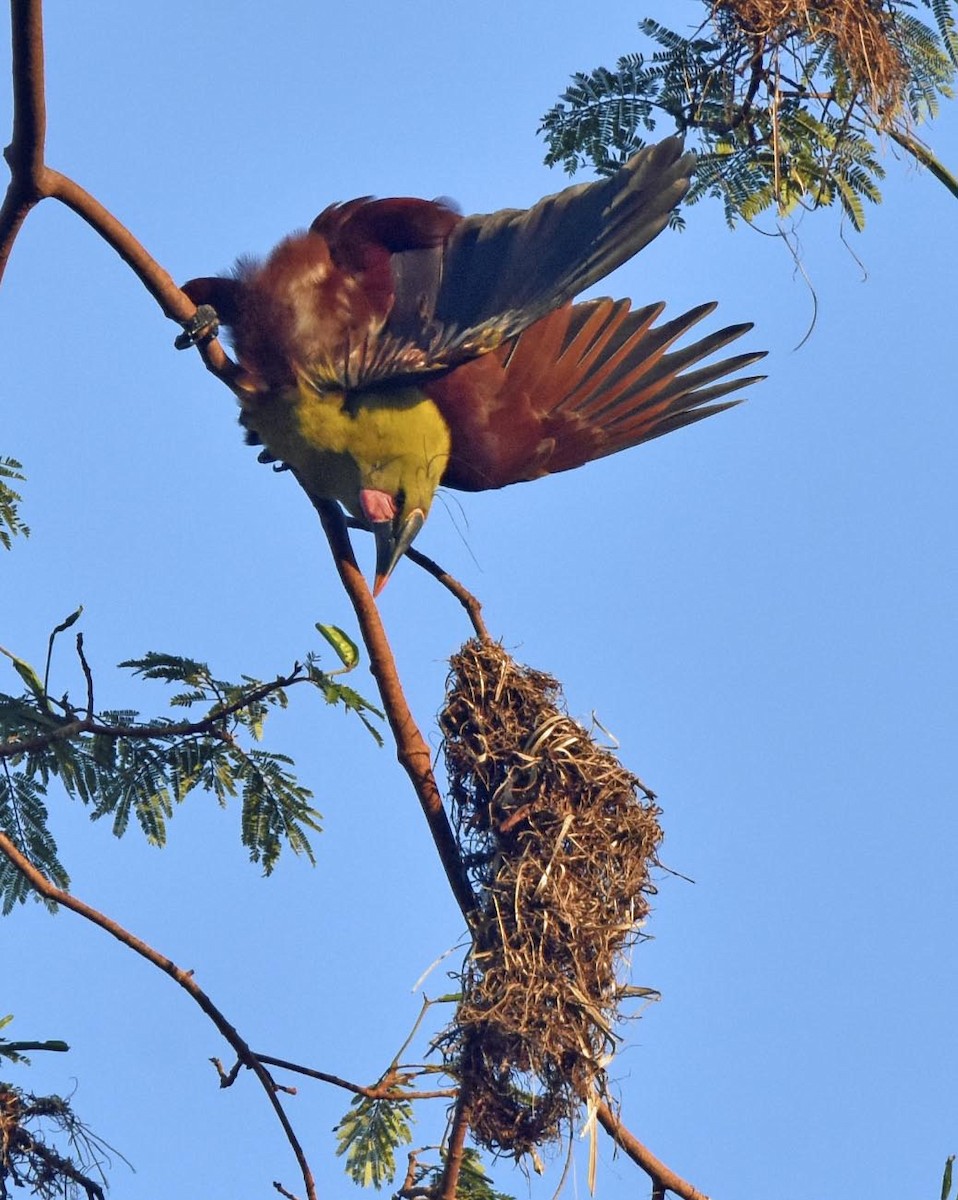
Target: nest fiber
{"x":863,"y":32}
{"x":559,"y":839}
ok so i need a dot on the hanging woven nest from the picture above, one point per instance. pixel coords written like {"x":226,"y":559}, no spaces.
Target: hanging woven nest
{"x":559,"y":839}
{"x":863,"y":33}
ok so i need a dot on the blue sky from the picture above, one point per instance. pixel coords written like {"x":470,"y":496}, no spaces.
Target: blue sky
{"x":760,"y":608}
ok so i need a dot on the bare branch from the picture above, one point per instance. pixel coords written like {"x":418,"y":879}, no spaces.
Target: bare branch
{"x":283,"y":1192}
{"x":664,"y":1179}
{"x":411,"y":748}
{"x":87,"y":675}
{"x":468,"y":601}
{"x":29,"y":92}
{"x":185,"y":980}
{"x":32,"y":181}
{"x":24,"y":155}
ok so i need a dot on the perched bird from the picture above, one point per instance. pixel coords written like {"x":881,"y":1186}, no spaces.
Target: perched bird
{"x":396,"y":345}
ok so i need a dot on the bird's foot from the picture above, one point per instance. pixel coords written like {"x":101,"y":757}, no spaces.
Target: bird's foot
{"x":202,"y":327}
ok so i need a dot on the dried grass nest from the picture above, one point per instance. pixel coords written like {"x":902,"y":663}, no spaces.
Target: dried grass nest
{"x":559,"y":840}
{"x":863,"y":33}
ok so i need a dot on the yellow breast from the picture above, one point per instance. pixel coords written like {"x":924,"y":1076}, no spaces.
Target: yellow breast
{"x":394,"y":440}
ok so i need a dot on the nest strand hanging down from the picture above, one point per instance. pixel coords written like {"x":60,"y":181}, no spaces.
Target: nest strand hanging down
{"x":559,"y":839}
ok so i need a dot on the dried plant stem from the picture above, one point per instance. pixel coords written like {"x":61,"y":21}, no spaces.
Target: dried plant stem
{"x":184,"y":978}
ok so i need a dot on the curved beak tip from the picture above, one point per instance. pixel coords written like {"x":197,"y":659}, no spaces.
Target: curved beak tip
{"x":393,"y":539}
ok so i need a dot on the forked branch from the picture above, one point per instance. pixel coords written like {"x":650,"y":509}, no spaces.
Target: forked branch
{"x":184,"y":978}
{"x":31,"y":181}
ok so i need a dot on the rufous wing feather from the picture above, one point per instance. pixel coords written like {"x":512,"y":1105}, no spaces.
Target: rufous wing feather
{"x":585,"y":381}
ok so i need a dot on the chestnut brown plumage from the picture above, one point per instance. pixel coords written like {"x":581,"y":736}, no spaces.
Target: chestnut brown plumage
{"x":396,"y":346}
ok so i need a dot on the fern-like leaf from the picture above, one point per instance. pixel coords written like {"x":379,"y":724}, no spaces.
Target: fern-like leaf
{"x":10,"y":523}
{"x":369,"y":1135}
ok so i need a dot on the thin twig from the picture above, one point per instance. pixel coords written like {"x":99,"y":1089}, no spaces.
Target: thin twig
{"x":49,"y":891}
{"x":411,"y":749}
{"x":88,"y":676}
{"x":468,"y":601}
{"x":283,"y":1192}
{"x":13,"y":747}
{"x":377,"y":1092}
{"x":664,"y":1179}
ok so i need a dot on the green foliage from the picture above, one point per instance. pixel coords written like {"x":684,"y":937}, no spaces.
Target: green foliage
{"x":10,"y":523}
{"x":23,"y":819}
{"x":947,"y":1177}
{"x":371,"y":1132}
{"x":474,"y":1183}
{"x":781,"y":118}
{"x":125,"y":768}
{"x":344,"y":645}
{"x":368,"y":1136}
{"x":15,"y":1051}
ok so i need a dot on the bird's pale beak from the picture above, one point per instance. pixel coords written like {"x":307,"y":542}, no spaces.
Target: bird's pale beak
{"x":393,"y":539}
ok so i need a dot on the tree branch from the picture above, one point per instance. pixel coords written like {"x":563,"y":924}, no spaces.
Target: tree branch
{"x":24,"y":155}
{"x":468,"y":601}
{"x":13,"y":747}
{"x":664,"y":1179}
{"x":411,"y":748}
{"x":377,"y":1092}
{"x":449,"y":1184}
{"x":31,"y":181}
{"x":185,"y":980}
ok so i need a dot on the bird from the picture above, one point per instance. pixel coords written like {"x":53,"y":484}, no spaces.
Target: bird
{"x":397,"y":346}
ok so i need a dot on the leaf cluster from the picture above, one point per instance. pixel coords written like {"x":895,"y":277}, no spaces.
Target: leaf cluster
{"x":368,"y":1136}
{"x":474,"y":1183}
{"x":126,"y":768}
{"x":10,"y":522}
{"x":783,"y":115}
{"x":374,"y":1129}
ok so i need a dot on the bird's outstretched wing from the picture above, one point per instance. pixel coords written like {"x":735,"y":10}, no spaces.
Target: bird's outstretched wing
{"x":584,"y":381}
{"x":383,"y":292}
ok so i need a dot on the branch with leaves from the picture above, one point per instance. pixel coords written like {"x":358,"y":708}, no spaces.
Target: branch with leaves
{"x":10,"y":523}
{"x":123,"y":767}
{"x":787,"y":103}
